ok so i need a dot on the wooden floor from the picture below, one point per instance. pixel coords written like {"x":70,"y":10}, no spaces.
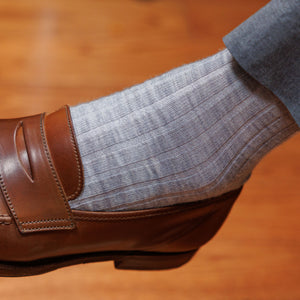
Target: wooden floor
{"x":70,"y":51}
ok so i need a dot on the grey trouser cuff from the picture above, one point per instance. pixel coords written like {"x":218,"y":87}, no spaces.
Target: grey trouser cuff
{"x":267,"y":46}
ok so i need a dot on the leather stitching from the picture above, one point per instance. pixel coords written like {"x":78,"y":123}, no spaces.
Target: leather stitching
{"x":77,"y":157}
{"x":130,"y":217}
{"x":4,"y":216}
{"x":10,"y":204}
{"x":7,"y":196}
{"x":48,"y":228}
{"x":5,"y":222}
{"x":154,"y":214}
{"x":57,"y":184}
{"x":44,"y":221}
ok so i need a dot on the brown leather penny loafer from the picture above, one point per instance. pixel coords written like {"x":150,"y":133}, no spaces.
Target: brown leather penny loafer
{"x":41,"y":172}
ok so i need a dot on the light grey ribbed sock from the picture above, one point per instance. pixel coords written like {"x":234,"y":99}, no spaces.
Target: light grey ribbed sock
{"x":193,"y":133}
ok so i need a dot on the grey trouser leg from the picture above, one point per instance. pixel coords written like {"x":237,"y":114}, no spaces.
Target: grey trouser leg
{"x":267,"y":46}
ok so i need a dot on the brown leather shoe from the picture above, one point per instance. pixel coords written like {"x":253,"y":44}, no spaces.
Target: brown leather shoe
{"x":41,"y":172}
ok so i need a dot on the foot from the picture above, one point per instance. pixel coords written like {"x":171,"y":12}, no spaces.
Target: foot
{"x":144,"y":177}
{"x":194,"y":133}
{"x":40,"y":177}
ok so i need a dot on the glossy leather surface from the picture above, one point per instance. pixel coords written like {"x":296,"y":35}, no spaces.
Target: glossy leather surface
{"x":41,"y":172}
{"x":29,"y":181}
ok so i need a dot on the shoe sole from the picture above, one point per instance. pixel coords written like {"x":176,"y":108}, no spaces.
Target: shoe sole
{"x":123,"y":260}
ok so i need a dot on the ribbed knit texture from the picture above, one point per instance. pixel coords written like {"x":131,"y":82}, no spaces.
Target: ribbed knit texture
{"x":193,"y":133}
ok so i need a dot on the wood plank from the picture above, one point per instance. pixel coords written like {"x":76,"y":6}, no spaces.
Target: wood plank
{"x":63,"y":51}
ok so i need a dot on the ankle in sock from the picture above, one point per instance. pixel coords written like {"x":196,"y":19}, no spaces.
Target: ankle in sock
{"x":193,"y":133}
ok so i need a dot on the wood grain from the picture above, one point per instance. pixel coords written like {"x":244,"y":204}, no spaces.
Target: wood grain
{"x":63,"y":51}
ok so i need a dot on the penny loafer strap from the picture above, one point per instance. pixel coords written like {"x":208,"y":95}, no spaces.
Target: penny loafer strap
{"x":40,"y":170}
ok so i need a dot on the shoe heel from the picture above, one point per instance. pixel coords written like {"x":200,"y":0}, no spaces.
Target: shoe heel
{"x":153,"y":261}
